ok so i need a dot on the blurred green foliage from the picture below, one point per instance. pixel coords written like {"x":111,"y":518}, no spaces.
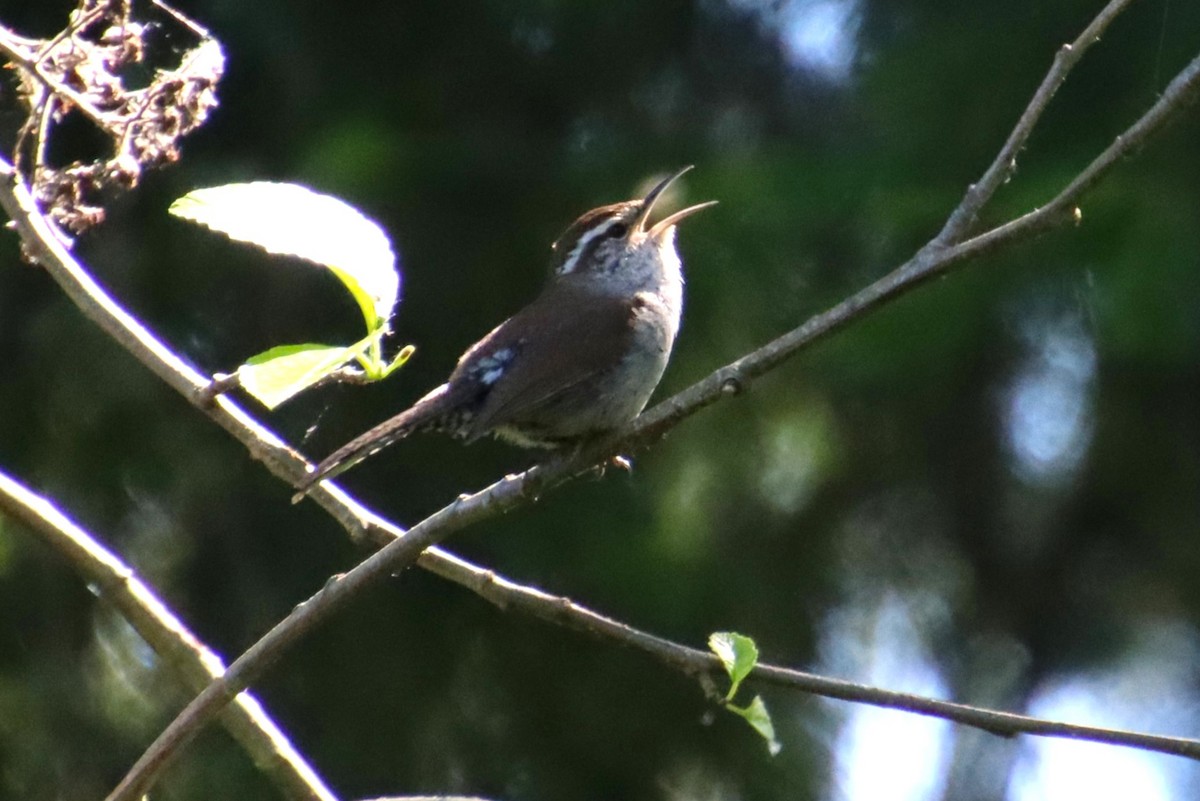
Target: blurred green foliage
{"x":1010,"y":454}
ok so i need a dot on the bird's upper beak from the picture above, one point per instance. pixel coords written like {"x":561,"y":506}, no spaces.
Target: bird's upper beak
{"x":665,"y":223}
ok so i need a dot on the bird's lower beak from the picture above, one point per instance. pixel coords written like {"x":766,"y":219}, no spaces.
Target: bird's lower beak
{"x":666,"y":222}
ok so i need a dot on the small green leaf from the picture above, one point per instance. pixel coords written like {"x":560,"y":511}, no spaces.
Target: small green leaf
{"x":403,"y":356}
{"x":737,"y":653}
{"x":277,"y":374}
{"x":293,"y":220}
{"x":760,"y":720}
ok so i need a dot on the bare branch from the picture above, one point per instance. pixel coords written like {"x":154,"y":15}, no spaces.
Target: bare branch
{"x":186,"y":656}
{"x":928,"y":263}
{"x":508,"y":493}
{"x":980,"y":192}
{"x":694,"y":662}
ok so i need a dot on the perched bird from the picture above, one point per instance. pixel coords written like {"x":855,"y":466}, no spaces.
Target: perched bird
{"x":580,"y":361}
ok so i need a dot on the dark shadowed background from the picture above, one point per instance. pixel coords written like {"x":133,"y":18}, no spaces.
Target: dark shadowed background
{"x":988,"y":491}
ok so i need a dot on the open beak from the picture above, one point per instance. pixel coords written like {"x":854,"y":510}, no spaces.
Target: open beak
{"x":653,"y":195}
{"x":666,"y":222}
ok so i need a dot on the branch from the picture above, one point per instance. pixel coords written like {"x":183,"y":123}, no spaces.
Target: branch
{"x":929,"y":262}
{"x":43,"y":245}
{"x":562,"y":611}
{"x":188,"y":658}
{"x":1005,"y":164}
{"x":181,"y":651}
{"x":504,"y":495}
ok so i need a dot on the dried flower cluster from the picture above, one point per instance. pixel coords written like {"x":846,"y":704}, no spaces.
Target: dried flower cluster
{"x":91,"y":68}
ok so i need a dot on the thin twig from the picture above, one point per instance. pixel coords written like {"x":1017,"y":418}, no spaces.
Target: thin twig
{"x":46,"y":119}
{"x":192,"y":25}
{"x":10,"y":46}
{"x":192,"y":662}
{"x":980,"y":192}
{"x":926,"y":264}
{"x":79,"y":23}
{"x":506,"y":494}
{"x":562,"y":611}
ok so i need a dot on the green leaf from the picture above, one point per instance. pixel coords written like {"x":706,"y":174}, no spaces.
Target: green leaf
{"x":293,"y":220}
{"x":737,"y":653}
{"x":403,"y":356}
{"x":760,"y":720}
{"x":277,"y":374}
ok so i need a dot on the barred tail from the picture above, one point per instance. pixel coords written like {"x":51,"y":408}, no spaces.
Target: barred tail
{"x":423,"y":414}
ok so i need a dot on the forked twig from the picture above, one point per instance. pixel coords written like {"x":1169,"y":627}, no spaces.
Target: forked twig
{"x":186,"y":656}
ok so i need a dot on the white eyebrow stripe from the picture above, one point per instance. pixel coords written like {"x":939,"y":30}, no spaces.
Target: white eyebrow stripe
{"x":572,"y":259}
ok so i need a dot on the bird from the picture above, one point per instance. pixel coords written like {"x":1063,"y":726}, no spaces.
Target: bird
{"x":580,"y":361}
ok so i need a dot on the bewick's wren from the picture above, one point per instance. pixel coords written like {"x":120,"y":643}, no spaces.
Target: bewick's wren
{"x":579,"y":361}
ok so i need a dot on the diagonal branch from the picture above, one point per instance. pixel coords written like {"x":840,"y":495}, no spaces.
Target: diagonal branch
{"x":189,"y":659}
{"x":929,"y":262}
{"x":692,"y":661}
{"x":1005,"y":163}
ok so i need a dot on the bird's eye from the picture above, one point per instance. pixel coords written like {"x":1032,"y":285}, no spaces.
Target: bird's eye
{"x":617,"y":229}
